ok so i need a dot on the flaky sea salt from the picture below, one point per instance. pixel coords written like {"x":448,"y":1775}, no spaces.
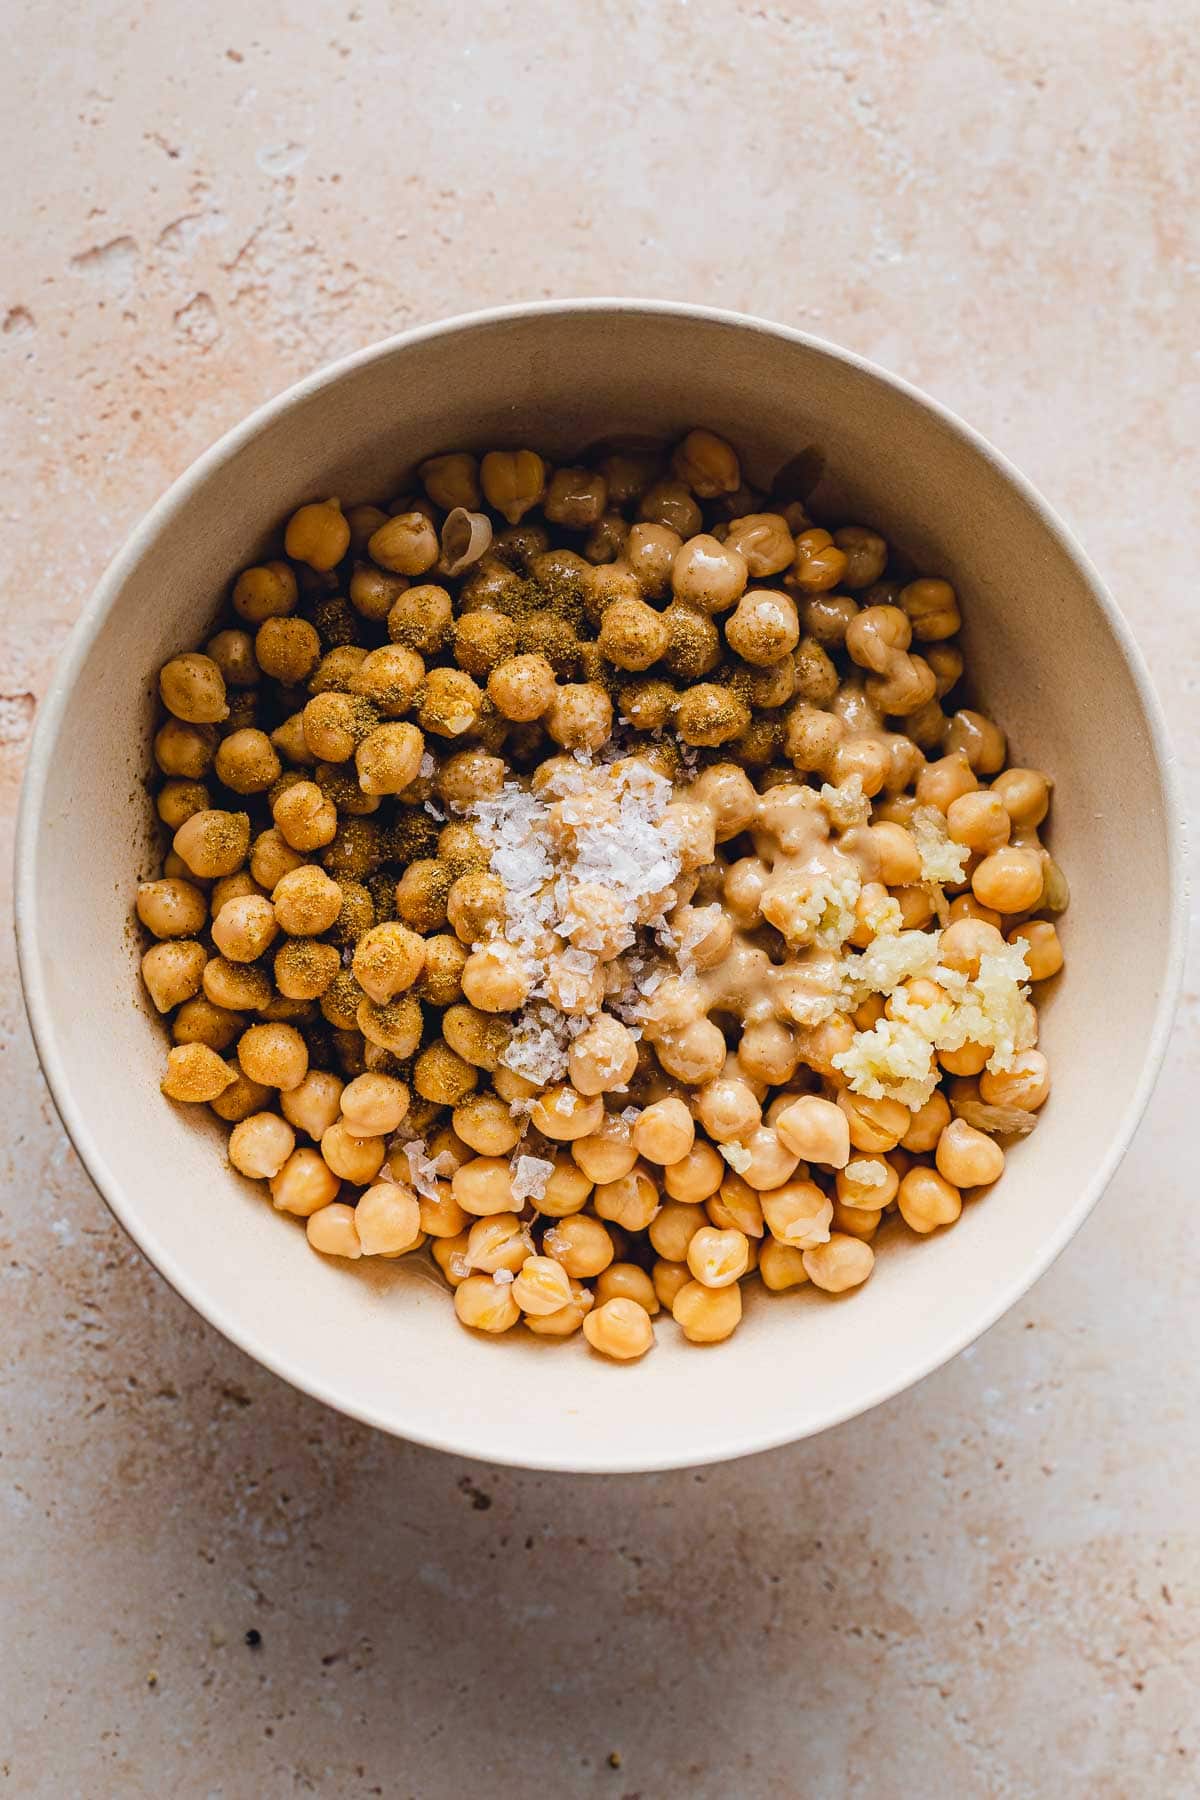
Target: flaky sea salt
{"x":529,"y":1177}
{"x":424,"y":1169}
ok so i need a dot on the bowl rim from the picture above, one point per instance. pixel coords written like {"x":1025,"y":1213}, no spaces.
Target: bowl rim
{"x":734,"y":1441}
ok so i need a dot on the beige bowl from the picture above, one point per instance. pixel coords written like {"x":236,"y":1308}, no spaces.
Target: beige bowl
{"x":1052,"y":659}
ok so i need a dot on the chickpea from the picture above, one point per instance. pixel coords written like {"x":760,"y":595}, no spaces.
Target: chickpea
{"x":213,"y":843}
{"x":542,"y":1286}
{"x":185,"y":751}
{"x":667,"y":1279}
{"x":452,"y":480}
{"x":522,"y":688}
{"x":246,"y":761}
{"x":932,"y":608}
{"x":728,"y":1109}
{"x":696,"y":1175}
{"x":709,"y":575}
{"x":982,"y":742}
{"x":709,"y":715}
{"x":899,"y":858}
{"x":373,"y":1105}
{"x":441,"y":1215}
{"x":304,"y":1184}
{"x":233,"y":653}
{"x":274,"y":1055}
{"x":604,"y":1057}
{"x":630,"y":1201}
{"x":174,"y":908}
{"x":564,"y":1114}
{"x":815,"y":1130}
{"x":304,"y":817}
{"x":650,"y":552}
{"x":941,"y":783}
{"x":513,"y":481}
{"x":581,"y":1244}
{"x":764,"y":627}
{"x":1025,"y":1083}
{"x":235,"y":986}
{"x":240,"y":1098}
{"x":736,"y":1206}
{"x":172,"y":971}
{"x":626,"y":1281}
{"x":484,"y":1305}
{"x":451,"y":704}
{"x":717,"y":1258}
{"x":387,"y":960}
{"x":844,"y":1262}
{"x":1008,"y":880}
{"x":194,"y":1074}
{"x":874,"y":1124}
{"x":1039,"y":938}
{"x":387,"y":1219}
{"x":771,"y":1162}
{"x":979,"y":821}
{"x":866,"y":555}
{"x":927,"y":1125}
{"x":244,"y":928}
{"x":306,"y":901}
{"x":287,"y":650}
{"x":271,"y":858}
{"x":485,"y":1125}
{"x":193,"y":689}
{"x":198,"y":1021}
{"x":867,"y":1181}
{"x":450,"y":1255}
{"x":708,"y":465}
{"x":484,"y":1186}
{"x":441,"y":1074}
{"x":707,"y":1315}
{"x":268,"y":591}
{"x":926,"y":1200}
{"x":313,"y":1105}
{"x":781,"y":1266}
{"x":665,"y":1132}
{"x":1025,"y":794}
{"x":797,"y":1213}
{"x":669,"y":503}
{"x":619,"y":1328}
{"x":567,"y":1319}
{"x":966,"y":906}
{"x":260,"y":1145}
{"x":499,"y":1242}
{"x":673,"y":1228}
{"x":567,"y":1189}
{"x":967,"y":1157}
{"x":575,"y":498}
{"x":580,"y":717}
{"x":351,"y":1157}
{"x":406,"y":545}
{"x":608,"y":1153}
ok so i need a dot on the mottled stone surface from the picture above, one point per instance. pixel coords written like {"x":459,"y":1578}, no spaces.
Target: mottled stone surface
{"x":991,"y":1586}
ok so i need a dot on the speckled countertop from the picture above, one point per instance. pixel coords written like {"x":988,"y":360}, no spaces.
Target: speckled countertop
{"x":210,"y":1586}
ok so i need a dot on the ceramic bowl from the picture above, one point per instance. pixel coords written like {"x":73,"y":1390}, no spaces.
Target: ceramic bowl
{"x":1051,"y":658}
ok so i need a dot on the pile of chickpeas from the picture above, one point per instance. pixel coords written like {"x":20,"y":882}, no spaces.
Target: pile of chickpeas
{"x":328,"y":930}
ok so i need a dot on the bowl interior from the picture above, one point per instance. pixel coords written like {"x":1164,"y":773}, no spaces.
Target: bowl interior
{"x":381,"y":1342}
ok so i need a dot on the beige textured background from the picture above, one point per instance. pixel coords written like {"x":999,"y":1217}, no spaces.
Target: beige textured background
{"x":992,"y":1586}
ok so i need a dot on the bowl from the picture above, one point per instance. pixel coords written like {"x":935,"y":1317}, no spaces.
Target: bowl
{"x":1051,"y":657}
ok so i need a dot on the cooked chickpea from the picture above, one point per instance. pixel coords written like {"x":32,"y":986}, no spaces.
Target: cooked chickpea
{"x":815,"y":1130}
{"x":275,"y":1055}
{"x":1025,"y":1083}
{"x":172,"y":908}
{"x":927,"y":1125}
{"x":244,"y":928}
{"x":630,"y":1201}
{"x":513,"y":481}
{"x":709,"y":715}
{"x":707,"y":1315}
{"x":542,"y":1286}
{"x":1008,"y":880}
{"x":580,"y":717}
{"x":867,"y":1181}
{"x":844,"y":1262}
{"x":674,"y":1227}
{"x":874,"y":1124}
{"x":485,"y":1125}
{"x":626,"y":1281}
{"x":288,"y":650}
{"x":485,"y":1305}
{"x":967,"y":1157}
{"x":608,"y":1153}
{"x":708,"y":575}
{"x":567,"y":1320}
{"x":564,"y":1114}
{"x":665,"y":1132}
{"x":312,"y":1106}
{"x":581,"y":1244}
{"x":333,"y":1230}
{"x":271,"y":858}
{"x":781,"y":1266}
{"x":696,"y":1175}
{"x":484,"y":1186}
{"x":195,"y":1074}
{"x":707,"y":464}
{"x":185,"y":751}
{"x":266,"y":592}
{"x":304,"y":1184}
{"x":926,"y":1200}
{"x":387,"y":960}
{"x":406,"y":545}
{"x":173,"y":971}
{"x":899,"y":858}
{"x":387,"y":1219}
{"x":797,"y":1213}
{"x":736,"y":1206}
{"x":304,"y":817}
{"x":306,"y":901}
{"x":728,"y":1109}
{"x":260,"y":1145}
{"x":372,"y":1105}
{"x":667,"y":1279}
{"x":1043,"y":951}
{"x":619,"y":1328}
{"x":213,"y":843}
{"x":198,"y":1021}
{"x":764,"y":627}
{"x":770,"y":1162}
{"x":193,"y":689}
{"x":979,"y":821}
{"x":717,"y":1258}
